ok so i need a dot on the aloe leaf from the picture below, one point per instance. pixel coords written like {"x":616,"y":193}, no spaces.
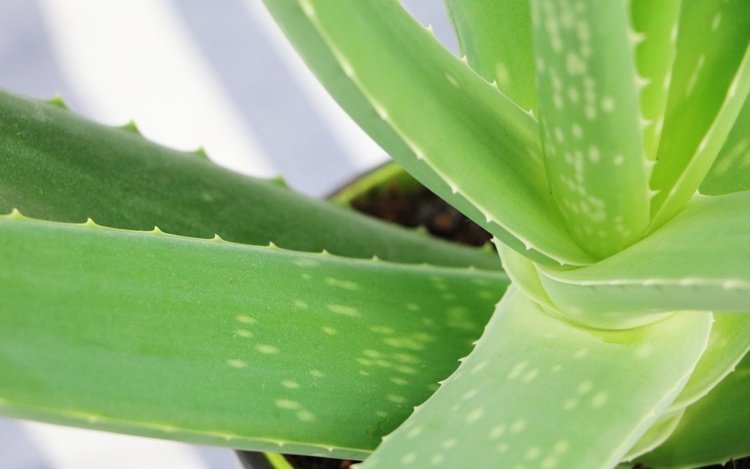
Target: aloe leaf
{"x":495,"y":37}
{"x":588,"y":88}
{"x":524,"y":276}
{"x":515,"y":392}
{"x":731,"y":170}
{"x":55,"y":165}
{"x":714,"y":430}
{"x":728,"y":344}
{"x":446,"y":114}
{"x":655,"y":25}
{"x":697,"y":261}
{"x":656,"y":435}
{"x":222,"y":343}
{"x":710,"y":80}
{"x":318,"y":56}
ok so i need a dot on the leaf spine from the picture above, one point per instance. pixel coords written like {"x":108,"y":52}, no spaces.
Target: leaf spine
{"x":130,"y":126}
{"x":57,"y":100}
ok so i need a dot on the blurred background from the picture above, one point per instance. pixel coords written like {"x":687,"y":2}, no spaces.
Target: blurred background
{"x":190,"y":73}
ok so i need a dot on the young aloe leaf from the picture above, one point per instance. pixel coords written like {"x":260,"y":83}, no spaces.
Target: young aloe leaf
{"x":714,"y":430}
{"x":655,"y":25}
{"x":58,"y":166}
{"x":697,"y":261}
{"x":468,"y":133}
{"x":515,"y":392}
{"x":731,"y":170}
{"x":591,"y":120}
{"x":495,"y":37}
{"x":709,"y":83}
{"x":728,"y":344}
{"x":222,"y":343}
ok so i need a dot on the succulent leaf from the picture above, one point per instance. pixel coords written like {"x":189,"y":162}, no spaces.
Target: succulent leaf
{"x":728,"y":344}
{"x":656,"y":435}
{"x":222,"y":343}
{"x":495,"y":37}
{"x":319,"y":57}
{"x":709,"y":83}
{"x":58,"y":166}
{"x":731,"y":170}
{"x":588,"y":88}
{"x":440,"y":108}
{"x":532,"y":375}
{"x":655,"y":25}
{"x":714,"y":430}
{"x":697,"y":261}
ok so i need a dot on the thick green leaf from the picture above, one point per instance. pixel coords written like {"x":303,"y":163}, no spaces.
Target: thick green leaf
{"x":554,"y":395}
{"x":731,"y":170}
{"x":591,"y":122}
{"x":55,"y":165}
{"x":467,"y":132}
{"x":495,"y":37}
{"x":709,"y":82}
{"x":728,"y":344}
{"x":697,"y":261}
{"x":222,"y":343}
{"x":712,"y":431}
{"x":319,"y":57}
{"x":656,"y":435}
{"x":655,"y":24}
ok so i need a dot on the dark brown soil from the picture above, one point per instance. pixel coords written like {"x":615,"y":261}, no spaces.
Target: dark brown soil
{"x":311,"y":462}
{"x":416,"y":206}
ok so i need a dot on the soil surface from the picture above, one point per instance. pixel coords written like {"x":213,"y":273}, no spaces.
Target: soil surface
{"x":418,"y":207}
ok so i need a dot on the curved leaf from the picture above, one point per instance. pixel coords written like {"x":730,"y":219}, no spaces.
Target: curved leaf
{"x":446,"y":114}
{"x":656,"y":435}
{"x":728,"y":344}
{"x":709,"y":82}
{"x":55,"y":165}
{"x":731,"y":170}
{"x":697,"y":261}
{"x":553,"y":396}
{"x":714,"y":430}
{"x":222,"y":343}
{"x":654,"y":24}
{"x":495,"y":37}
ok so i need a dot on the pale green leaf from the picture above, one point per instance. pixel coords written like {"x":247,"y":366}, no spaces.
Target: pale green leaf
{"x":655,"y":24}
{"x":731,"y":170}
{"x":495,"y":37}
{"x":709,"y":82}
{"x":728,"y":344}
{"x":222,"y":343}
{"x":588,"y":90}
{"x":713,"y":430}
{"x":58,"y":166}
{"x":539,"y":392}
{"x":697,"y":261}
{"x":465,"y":131}
{"x":656,"y":435}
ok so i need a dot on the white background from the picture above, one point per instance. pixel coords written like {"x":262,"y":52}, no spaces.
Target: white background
{"x":191,"y":73}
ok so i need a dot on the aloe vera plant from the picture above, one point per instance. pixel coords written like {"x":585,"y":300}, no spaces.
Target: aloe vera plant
{"x":604,"y":145}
